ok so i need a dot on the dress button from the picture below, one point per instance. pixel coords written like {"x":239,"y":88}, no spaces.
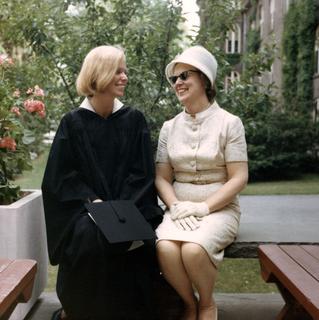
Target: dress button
{"x":193,"y":146}
{"x":194,"y":128}
{"x":193,"y":163}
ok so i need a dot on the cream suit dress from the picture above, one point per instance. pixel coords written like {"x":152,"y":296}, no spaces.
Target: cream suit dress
{"x":198,"y":148}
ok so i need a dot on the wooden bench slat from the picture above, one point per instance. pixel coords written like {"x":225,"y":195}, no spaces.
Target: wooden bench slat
{"x":16,"y":282}
{"x":4,"y":264}
{"x":299,"y":283}
{"x":313,"y":250}
{"x":17,"y":270}
{"x":304,"y":259}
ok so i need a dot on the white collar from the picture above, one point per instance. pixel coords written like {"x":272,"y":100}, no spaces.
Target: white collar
{"x":87,"y":105}
{"x":202,"y":115}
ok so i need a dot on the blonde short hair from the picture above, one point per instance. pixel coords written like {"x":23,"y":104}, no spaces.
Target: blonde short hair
{"x":98,"y":69}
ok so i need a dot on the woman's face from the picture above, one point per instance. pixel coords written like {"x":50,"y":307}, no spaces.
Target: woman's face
{"x":192,"y":87}
{"x":117,"y":86}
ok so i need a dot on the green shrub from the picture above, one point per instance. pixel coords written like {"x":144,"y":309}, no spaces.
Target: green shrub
{"x":21,"y":110}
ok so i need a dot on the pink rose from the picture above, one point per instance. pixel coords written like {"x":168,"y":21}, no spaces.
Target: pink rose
{"x":41,"y":113}
{"x":33,"y":105}
{"x":16,"y":110}
{"x":8,"y":143}
{"x":38,"y":91}
{"x":5,"y":59}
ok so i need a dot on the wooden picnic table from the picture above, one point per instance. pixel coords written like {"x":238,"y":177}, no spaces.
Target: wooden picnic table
{"x":16,"y":283}
{"x":295,"y":271}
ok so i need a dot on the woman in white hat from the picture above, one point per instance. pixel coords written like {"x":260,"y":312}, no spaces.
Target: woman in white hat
{"x":201,"y":167}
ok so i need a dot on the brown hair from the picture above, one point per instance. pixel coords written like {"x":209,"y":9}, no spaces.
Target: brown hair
{"x":210,"y":90}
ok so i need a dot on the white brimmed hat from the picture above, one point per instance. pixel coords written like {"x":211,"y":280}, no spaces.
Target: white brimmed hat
{"x":198,"y":57}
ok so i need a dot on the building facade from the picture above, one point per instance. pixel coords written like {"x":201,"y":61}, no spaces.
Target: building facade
{"x":316,"y":75}
{"x":266,"y":18}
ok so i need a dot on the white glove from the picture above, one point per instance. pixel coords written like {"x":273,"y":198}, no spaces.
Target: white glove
{"x":173,"y":209}
{"x":187,"y":224}
{"x":184,"y":209}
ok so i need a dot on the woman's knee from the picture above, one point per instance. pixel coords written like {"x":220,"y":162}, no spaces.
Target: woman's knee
{"x":194,"y":253}
{"x":167,"y":247}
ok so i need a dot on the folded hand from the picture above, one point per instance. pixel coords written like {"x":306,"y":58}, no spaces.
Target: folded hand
{"x":183,"y":209}
{"x":187,"y":224}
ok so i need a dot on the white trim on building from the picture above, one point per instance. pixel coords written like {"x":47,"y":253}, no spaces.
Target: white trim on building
{"x":272,"y":13}
{"x":317,"y":51}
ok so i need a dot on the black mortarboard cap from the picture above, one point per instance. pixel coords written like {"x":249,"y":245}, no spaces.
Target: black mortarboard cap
{"x":120,"y":221}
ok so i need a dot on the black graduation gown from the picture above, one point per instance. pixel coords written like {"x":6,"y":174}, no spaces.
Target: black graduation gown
{"x":94,"y":276}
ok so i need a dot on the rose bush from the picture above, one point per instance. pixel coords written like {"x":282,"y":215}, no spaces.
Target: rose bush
{"x":20,"y":111}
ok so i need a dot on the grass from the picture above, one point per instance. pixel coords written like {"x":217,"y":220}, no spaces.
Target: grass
{"x":52,"y":273}
{"x":235,"y":275}
{"x":32,"y":179}
{"x":307,"y":184}
{"x":242,"y":276}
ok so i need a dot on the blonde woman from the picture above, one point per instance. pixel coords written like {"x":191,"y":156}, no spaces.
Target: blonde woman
{"x":201,"y":167}
{"x":101,"y":151}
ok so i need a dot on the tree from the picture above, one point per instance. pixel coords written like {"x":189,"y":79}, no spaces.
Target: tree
{"x":59,"y":34}
{"x":278,"y":141}
{"x":298,"y":69}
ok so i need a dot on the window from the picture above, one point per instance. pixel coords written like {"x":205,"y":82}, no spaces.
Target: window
{"x":233,"y":41}
{"x":229,"y":46}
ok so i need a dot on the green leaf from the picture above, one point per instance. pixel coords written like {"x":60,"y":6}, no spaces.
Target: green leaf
{"x":28,"y":136}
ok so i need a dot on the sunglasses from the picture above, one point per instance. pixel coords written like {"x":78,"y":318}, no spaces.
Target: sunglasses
{"x":183,"y":76}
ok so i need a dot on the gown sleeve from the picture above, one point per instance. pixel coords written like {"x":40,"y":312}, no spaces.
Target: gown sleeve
{"x":63,"y":189}
{"x":139,"y":184}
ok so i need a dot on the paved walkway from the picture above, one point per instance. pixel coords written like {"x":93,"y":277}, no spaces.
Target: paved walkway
{"x":231,"y":306}
{"x":279,"y":218}
{"x":264,"y":218}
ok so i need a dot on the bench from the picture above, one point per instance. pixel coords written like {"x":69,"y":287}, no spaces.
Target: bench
{"x":265,"y":220}
{"x":295,"y":271}
{"x":16,"y":284}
